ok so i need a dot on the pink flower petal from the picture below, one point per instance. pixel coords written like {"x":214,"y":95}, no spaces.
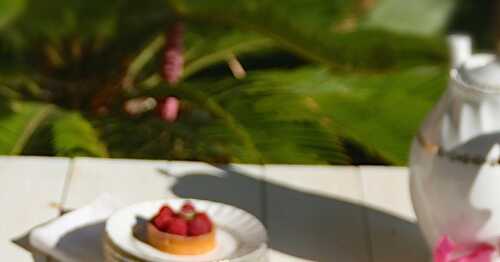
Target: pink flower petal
{"x":443,"y":250}
{"x":169,"y":109}
{"x":447,"y":251}
{"x":481,"y":253}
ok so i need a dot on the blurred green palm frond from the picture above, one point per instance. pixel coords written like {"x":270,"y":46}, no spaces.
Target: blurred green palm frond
{"x":23,"y":122}
{"x":326,"y":31}
{"x":204,"y":49}
{"x":209,"y":48}
{"x":314,"y":76}
{"x":242,"y":120}
{"x":379,"y":111}
{"x":73,"y":135}
{"x":388,"y":108}
{"x":9,"y":9}
{"x":365,"y":108}
{"x":18,"y":122}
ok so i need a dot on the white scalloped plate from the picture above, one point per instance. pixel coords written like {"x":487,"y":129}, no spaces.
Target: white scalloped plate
{"x":239,"y":234}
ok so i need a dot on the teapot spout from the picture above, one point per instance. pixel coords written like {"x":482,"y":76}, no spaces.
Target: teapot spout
{"x":460,"y":48}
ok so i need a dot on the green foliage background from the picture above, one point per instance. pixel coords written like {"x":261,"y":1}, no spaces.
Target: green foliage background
{"x":337,"y":82}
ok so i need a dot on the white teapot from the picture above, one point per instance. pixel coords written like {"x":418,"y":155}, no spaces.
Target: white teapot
{"x":455,"y":157}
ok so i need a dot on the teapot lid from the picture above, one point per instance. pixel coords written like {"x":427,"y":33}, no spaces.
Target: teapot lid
{"x":481,"y":72}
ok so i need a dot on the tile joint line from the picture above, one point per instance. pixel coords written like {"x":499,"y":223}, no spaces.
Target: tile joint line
{"x":366,"y":219}
{"x":67,"y":182}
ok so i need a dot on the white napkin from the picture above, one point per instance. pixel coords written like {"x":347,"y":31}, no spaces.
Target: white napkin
{"x":76,"y":236}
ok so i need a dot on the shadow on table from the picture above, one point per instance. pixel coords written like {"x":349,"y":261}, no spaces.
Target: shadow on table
{"x":76,"y":243}
{"x":310,"y":226}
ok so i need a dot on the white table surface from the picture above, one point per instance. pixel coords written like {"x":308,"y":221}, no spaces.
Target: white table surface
{"x":29,"y":187}
{"x":313,"y":213}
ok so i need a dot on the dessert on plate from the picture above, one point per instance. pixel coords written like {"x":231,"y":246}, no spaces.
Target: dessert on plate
{"x":187,"y":232}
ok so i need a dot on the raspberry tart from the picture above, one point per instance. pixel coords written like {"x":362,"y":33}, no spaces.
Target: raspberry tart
{"x":187,"y":232}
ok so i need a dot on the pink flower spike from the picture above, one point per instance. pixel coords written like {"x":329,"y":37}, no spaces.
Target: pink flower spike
{"x":174,"y":57}
{"x":169,"y":109}
{"x":443,"y":250}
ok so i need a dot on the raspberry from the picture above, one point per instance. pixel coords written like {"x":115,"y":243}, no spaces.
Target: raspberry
{"x":178,"y":226}
{"x":162,"y":222}
{"x":187,"y":207}
{"x":163,"y":218}
{"x":166,"y":211}
{"x":203,"y":216}
{"x":200,"y":225}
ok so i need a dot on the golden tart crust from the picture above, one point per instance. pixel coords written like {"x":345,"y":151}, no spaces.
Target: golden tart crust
{"x":180,"y":245}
